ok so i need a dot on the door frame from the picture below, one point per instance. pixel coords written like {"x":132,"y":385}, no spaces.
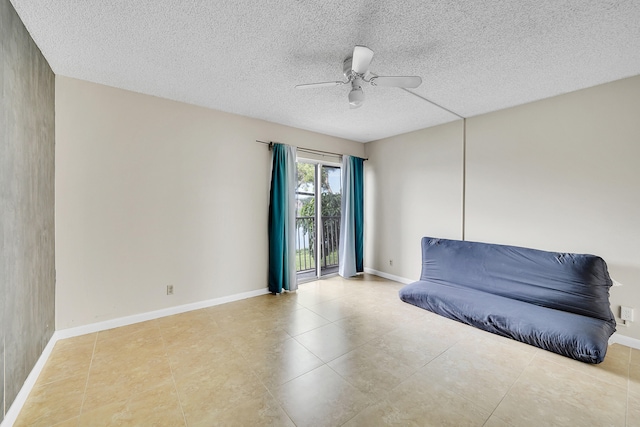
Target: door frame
{"x":318,"y":164}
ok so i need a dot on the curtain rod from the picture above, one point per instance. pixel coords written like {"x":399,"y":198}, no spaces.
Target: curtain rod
{"x":307,"y":150}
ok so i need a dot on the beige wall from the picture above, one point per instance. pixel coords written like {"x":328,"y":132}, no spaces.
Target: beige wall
{"x":412,"y":189}
{"x":560,"y":174}
{"x":151,"y":192}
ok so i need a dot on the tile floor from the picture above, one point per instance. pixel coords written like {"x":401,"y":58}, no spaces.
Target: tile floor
{"x":336,"y":353}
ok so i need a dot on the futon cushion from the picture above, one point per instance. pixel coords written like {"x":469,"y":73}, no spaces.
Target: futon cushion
{"x":574,"y":283}
{"x":579,"y":337}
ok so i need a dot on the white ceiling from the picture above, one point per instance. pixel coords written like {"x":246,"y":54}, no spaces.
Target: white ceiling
{"x":246,"y":56}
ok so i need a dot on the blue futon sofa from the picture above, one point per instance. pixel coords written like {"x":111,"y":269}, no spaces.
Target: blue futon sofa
{"x":555,"y":301}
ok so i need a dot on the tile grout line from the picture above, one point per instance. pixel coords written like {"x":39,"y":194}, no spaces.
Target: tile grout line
{"x":271,"y":393}
{"x":626,"y":406}
{"x":421,"y":367}
{"x":86,"y":384}
{"x":533,"y":356}
{"x":173,"y":378}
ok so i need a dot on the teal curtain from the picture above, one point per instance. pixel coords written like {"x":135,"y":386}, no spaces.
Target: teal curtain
{"x":351,"y":249}
{"x":358,"y":211}
{"x":282,"y":271}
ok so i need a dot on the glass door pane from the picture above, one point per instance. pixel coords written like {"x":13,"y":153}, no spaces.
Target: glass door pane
{"x":306,"y":229}
{"x":330,"y":196}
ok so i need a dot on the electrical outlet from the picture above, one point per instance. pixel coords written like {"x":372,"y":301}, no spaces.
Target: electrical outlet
{"x":626,"y":313}
{"x":391,"y":262}
{"x":169,"y":289}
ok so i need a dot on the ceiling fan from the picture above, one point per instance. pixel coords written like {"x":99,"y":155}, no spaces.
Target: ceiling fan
{"x":356,"y":71}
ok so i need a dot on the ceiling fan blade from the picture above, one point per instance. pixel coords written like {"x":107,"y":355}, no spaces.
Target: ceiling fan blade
{"x":362,"y":56}
{"x":315,"y":85}
{"x":403,"y":81}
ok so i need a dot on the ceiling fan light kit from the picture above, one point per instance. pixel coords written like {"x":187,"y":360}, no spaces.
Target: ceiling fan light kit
{"x":356,"y":96}
{"x":356,"y":70}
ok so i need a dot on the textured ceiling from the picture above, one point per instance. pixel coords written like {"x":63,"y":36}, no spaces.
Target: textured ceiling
{"x":246,"y":56}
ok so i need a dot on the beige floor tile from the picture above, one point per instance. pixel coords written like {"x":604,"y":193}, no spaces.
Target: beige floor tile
{"x":300,"y":321}
{"x":437,"y":327}
{"x":473,"y":375}
{"x":53,"y":403}
{"x":72,"y":422}
{"x":254,"y":340}
{"x":365,"y":327}
{"x":488,"y":337}
{"x":614,"y":369}
{"x":371,"y":371}
{"x":550,"y":394}
{"x":320,"y":398}
{"x":157,"y":407}
{"x":281,"y":362}
{"x":238,"y":315}
{"x":429,"y":403}
{"x":130,"y":349}
{"x":66,"y":361}
{"x":206,"y":395}
{"x":335,"y":309}
{"x":359,"y":355}
{"x":148,"y":327}
{"x":183,"y":328}
{"x":329,"y":341}
{"x":633,"y":411}
{"x":367,"y":302}
{"x":494,"y":421}
{"x":382,"y":414}
{"x":81,"y":340}
{"x":499,"y":350}
{"x":112,"y":383}
{"x":398,"y":313}
{"x":634,"y":373}
{"x":255,"y":411}
{"x":272,"y":306}
{"x":411,"y":348}
{"x":619,"y":351}
{"x":198,"y":354}
{"x":335,"y":287}
{"x":309,"y":298}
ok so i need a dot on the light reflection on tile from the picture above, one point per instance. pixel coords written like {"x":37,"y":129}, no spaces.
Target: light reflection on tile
{"x":336,"y":352}
{"x":320,"y":398}
{"x":329,"y":341}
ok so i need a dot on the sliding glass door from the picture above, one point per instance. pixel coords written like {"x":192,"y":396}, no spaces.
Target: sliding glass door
{"x":318,"y":197}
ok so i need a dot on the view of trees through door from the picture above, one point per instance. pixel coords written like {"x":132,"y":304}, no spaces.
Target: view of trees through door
{"x":317,"y":232}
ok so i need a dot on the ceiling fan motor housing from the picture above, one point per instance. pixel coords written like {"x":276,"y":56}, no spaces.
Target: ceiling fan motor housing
{"x":348,"y":72}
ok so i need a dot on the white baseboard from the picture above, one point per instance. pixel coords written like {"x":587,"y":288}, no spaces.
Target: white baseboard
{"x":617,"y":338}
{"x":388,"y":276}
{"x":13,"y":412}
{"x":150,"y":315}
